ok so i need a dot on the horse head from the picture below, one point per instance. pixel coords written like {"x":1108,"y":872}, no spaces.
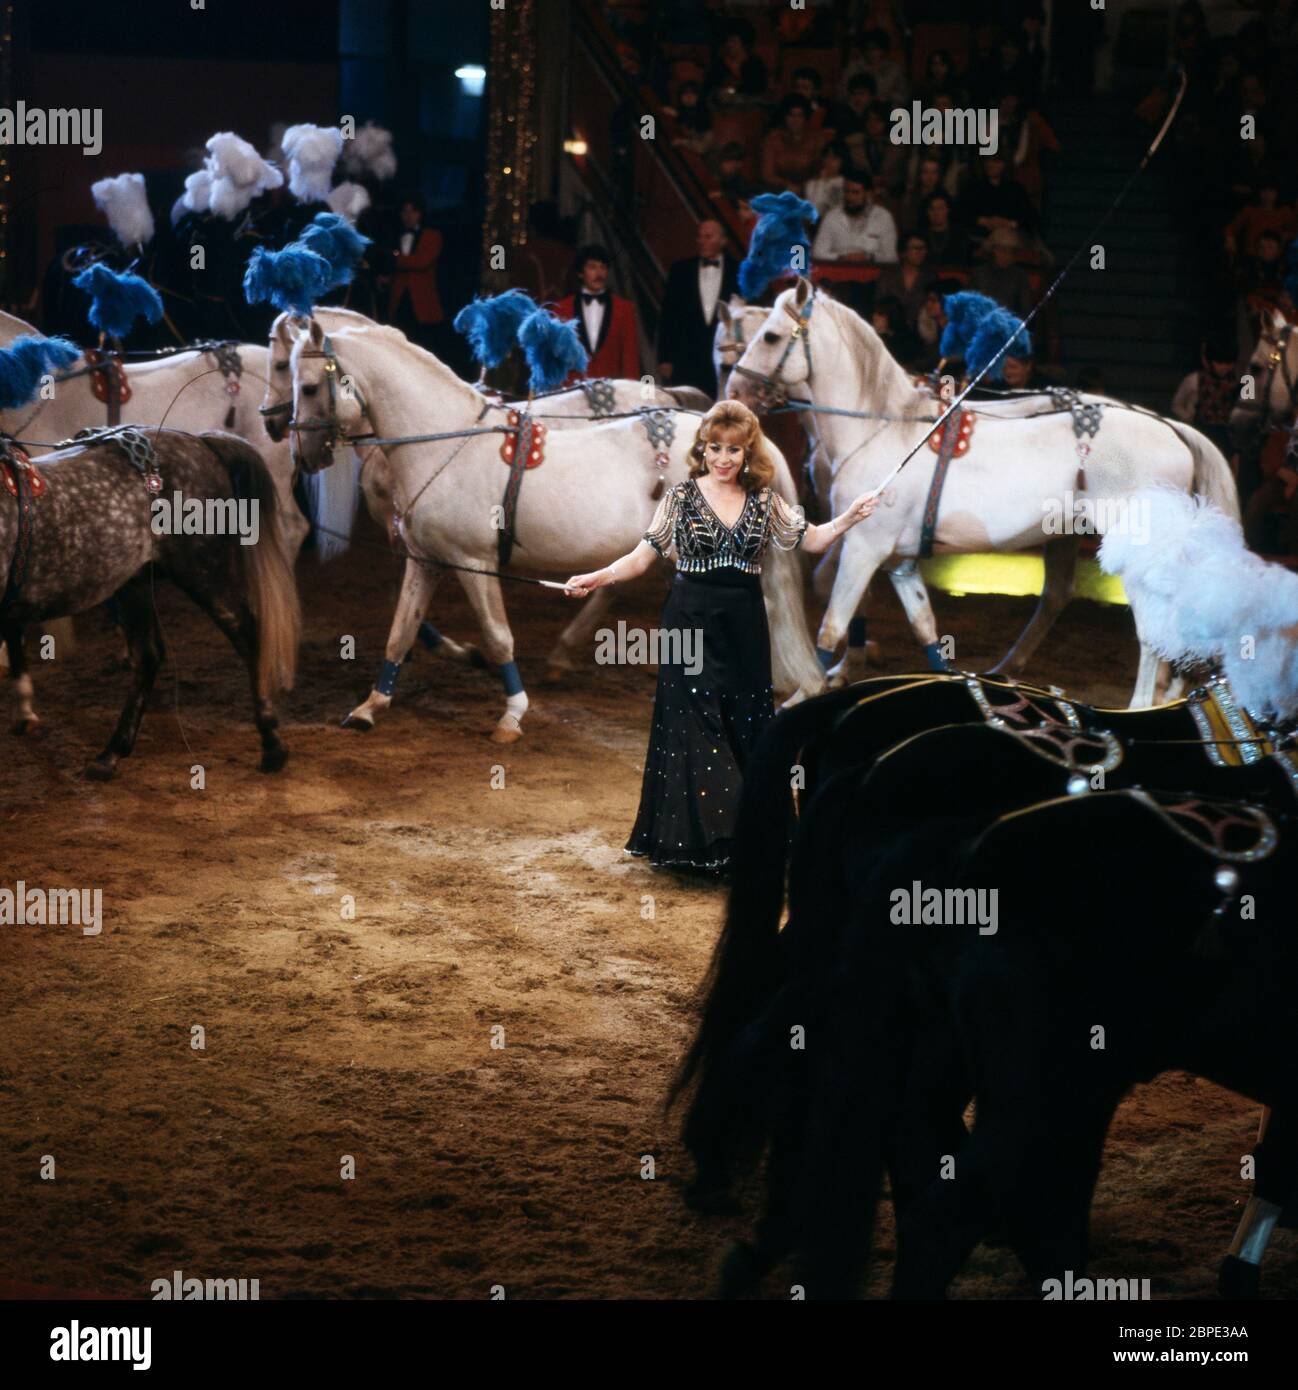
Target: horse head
{"x":779,"y":356}
{"x":1273,"y":370}
{"x":327,"y":409}
{"x":277,"y":403}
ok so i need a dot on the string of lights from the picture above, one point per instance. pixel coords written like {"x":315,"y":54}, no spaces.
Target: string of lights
{"x":511,"y":127}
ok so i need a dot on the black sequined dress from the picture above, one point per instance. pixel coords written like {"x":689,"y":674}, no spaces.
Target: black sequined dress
{"x":714,"y":674}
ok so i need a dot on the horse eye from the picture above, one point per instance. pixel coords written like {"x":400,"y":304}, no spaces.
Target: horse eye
{"x":771,"y":337}
{"x":310,"y":390}
{"x":281,"y":366}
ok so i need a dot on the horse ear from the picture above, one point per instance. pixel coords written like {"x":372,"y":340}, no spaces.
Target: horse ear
{"x":316,"y":334}
{"x":803,"y":292}
{"x":723,"y":313}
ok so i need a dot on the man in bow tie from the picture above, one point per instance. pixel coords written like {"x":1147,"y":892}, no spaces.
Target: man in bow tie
{"x":695,"y":286}
{"x":606,"y":324}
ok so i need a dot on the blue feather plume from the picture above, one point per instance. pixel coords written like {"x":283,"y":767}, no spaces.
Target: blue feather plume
{"x":25,"y":361}
{"x":492,"y":325}
{"x":552,"y":349}
{"x":117,"y":299}
{"x":779,"y":229}
{"x":976,"y":328}
{"x":334,"y":238}
{"x":293,"y":279}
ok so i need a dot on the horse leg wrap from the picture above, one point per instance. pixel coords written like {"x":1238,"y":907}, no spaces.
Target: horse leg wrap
{"x":429,"y":636}
{"x":856,"y":632}
{"x":825,"y":657}
{"x":512,"y":680}
{"x":933,"y":655}
{"x":387,"y":681}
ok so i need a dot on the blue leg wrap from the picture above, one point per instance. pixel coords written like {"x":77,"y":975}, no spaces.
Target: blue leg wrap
{"x":856,"y":632}
{"x":936,"y":661}
{"x":387,"y":681}
{"x":430,"y":636}
{"x":513,"y":681}
{"x":826,"y":658}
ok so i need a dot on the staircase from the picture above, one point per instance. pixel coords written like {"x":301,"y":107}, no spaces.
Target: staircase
{"x":1136,"y":321}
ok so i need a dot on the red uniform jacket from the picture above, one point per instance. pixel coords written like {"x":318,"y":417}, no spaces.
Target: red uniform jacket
{"x":416,"y":275}
{"x":617,"y":354}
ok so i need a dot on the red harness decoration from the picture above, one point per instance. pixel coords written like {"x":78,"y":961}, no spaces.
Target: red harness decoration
{"x":964,"y":433}
{"x":536,"y":454}
{"x":99,"y":377}
{"x":35,"y":479}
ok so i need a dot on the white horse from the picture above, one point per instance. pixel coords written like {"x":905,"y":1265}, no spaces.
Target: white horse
{"x":737,"y":323}
{"x":1016,"y":488}
{"x":333,"y":501}
{"x":588,"y":502}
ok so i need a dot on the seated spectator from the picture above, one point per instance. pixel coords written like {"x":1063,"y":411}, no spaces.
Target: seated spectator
{"x":939,"y":76}
{"x":861,"y":230}
{"x":806,"y":84}
{"x":791,"y":148}
{"x":1001,"y":279}
{"x":806,"y":26}
{"x":826,"y":189}
{"x":932,"y":319}
{"x":948,"y":245}
{"x":907,"y":282}
{"x":889,"y":322}
{"x":736,"y":72}
{"x":692,"y":124}
{"x":1005,"y":67}
{"x":955,"y":168}
{"x":1205,"y":398}
{"x":993,"y":201}
{"x":1025,"y":135}
{"x":872,"y":57}
{"x":1264,"y":214}
{"x":850,"y":119}
{"x":886,"y":161}
{"x":731,"y":180}
{"x":924,"y":182}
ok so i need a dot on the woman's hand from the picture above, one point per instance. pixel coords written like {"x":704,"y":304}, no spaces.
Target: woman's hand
{"x":859,"y":510}
{"x":581,"y":584}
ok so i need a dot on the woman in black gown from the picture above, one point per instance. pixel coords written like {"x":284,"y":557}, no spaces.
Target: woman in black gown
{"x":714,"y":668}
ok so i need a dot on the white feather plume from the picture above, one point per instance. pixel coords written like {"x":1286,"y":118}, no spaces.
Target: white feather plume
{"x":348,"y":200}
{"x":197,"y":196}
{"x":369,"y":151}
{"x":1198,"y":594}
{"x":126,"y":205}
{"x":311,"y":151}
{"x":237,"y":175}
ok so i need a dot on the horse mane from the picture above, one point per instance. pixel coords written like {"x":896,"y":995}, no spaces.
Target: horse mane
{"x":884,"y":382}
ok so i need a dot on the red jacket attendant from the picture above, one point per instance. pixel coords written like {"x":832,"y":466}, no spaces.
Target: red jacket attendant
{"x":606,"y":324}
{"x":415,"y":275}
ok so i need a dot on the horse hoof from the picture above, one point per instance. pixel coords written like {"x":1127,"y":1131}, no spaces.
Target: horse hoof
{"x":740,"y":1276}
{"x":506,"y":733}
{"x":100,"y":771}
{"x":360,"y":722}
{"x":273,"y":759}
{"x":1237,"y":1279}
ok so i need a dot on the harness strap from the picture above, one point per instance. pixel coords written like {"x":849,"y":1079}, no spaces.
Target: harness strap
{"x":517,"y":465}
{"x":950,"y":437}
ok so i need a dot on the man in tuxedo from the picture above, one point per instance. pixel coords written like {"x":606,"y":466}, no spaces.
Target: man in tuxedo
{"x":606,"y":324}
{"x":414,"y":304}
{"x":695,"y":286}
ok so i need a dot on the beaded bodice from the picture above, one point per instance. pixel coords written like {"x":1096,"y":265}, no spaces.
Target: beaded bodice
{"x":702,"y":541}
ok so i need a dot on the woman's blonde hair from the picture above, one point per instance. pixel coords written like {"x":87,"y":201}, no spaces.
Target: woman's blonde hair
{"x":735,"y":419}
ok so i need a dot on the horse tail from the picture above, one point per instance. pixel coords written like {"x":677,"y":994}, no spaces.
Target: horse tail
{"x":331,"y":505}
{"x":272,"y":589}
{"x":794,"y":666}
{"x":1212,"y":475}
{"x":744,"y":974}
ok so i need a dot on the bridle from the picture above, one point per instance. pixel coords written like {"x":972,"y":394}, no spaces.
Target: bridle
{"x":772,"y":388}
{"x":334,"y":433}
{"x":1277,"y":361}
